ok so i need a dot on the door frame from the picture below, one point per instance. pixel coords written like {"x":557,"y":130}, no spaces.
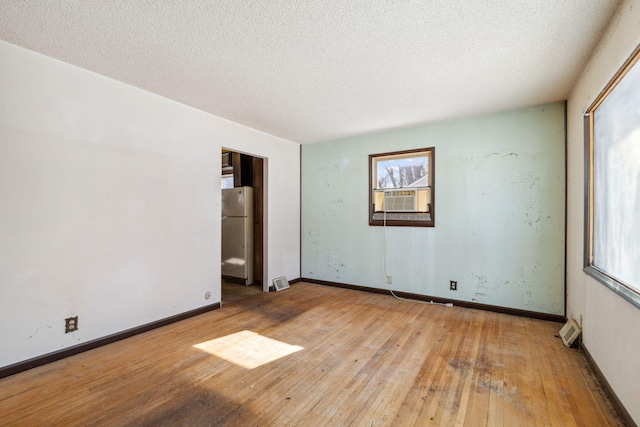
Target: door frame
{"x":265,"y":213}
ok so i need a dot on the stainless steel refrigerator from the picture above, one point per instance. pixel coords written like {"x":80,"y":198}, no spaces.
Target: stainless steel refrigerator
{"x":237,"y":234}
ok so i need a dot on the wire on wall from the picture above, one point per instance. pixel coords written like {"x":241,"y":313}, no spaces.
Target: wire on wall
{"x":384,"y":267}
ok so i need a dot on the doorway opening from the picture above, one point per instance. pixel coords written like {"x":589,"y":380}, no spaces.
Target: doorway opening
{"x":243,"y":216}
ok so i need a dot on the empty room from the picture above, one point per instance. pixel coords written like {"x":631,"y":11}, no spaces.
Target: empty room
{"x":368,"y":213}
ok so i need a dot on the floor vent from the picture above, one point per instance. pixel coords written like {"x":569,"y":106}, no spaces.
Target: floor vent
{"x":570,"y":332}
{"x":280,"y":283}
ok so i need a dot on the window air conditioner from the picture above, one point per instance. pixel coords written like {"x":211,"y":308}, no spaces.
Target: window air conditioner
{"x":400,"y":200}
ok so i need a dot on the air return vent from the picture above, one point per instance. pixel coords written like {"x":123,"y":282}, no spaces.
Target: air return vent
{"x":569,"y":332}
{"x":280,"y":283}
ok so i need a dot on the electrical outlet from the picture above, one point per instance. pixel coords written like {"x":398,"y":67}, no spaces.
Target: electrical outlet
{"x":453,"y":285}
{"x":71,"y":324}
{"x":389,"y":281}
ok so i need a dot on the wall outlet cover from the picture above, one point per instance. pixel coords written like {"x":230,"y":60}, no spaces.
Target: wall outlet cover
{"x":71,"y":324}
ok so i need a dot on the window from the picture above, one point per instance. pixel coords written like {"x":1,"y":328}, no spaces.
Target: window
{"x":401,"y":190}
{"x":612,"y":160}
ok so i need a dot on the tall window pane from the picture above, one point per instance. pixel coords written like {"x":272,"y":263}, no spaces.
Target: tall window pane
{"x":615,"y":181}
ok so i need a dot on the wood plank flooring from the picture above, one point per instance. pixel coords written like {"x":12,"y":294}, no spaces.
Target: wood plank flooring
{"x":366,"y":360}
{"x":232,"y":292}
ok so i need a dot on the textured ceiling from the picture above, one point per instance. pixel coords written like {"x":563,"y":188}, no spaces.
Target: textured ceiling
{"x":310,"y":71}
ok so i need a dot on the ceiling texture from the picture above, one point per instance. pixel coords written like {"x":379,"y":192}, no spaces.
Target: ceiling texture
{"x":311,"y":71}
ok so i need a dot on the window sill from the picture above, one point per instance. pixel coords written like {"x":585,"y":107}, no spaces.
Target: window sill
{"x":399,"y":219}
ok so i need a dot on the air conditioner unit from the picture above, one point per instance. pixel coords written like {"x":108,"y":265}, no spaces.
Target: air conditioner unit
{"x":569,"y":332}
{"x":400,"y":200}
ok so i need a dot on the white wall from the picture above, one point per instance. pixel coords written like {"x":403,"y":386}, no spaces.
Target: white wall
{"x":499,"y":230}
{"x":110,"y":204}
{"x":610,"y":323}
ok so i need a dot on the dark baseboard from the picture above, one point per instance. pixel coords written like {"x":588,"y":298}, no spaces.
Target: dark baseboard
{"x":615,"y":402}
{"x":467,"y":304}
{"x":70,"y":351}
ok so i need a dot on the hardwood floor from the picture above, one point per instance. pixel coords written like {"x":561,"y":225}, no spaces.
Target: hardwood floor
{"x":347,"y":358}
{"x":232,"y":292}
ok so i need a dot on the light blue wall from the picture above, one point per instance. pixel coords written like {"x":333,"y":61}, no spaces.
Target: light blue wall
{"x":499,"y":189}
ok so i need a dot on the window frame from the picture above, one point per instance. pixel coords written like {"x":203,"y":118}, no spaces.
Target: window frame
{"x":629,"y":292}
{"x":404,"y":222}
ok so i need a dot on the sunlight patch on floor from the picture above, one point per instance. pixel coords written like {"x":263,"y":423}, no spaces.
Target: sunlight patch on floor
{"x":248,"y":349}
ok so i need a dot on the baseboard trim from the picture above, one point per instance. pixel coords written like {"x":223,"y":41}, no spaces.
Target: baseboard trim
{"x":615,"y":402}
{"x":99,"y":342}
{"x":495,"y":308}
